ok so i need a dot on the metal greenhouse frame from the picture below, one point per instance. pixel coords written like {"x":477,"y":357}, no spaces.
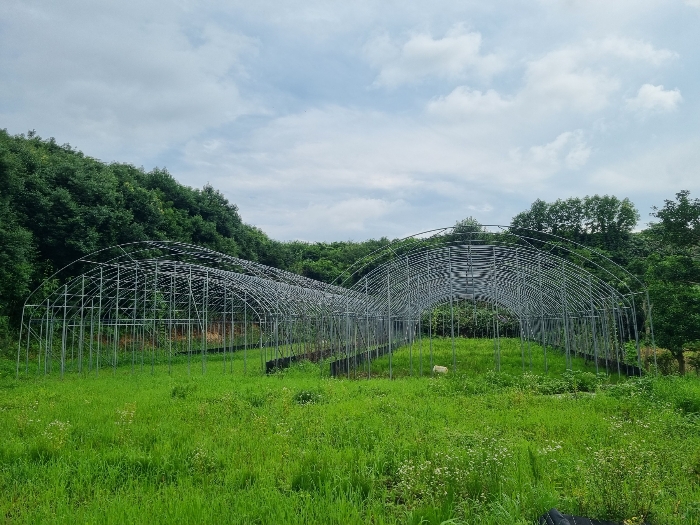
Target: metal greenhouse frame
{"x":155,"y":303}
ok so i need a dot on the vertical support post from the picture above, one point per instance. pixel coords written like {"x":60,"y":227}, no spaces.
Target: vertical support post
{"x":651,"y":329}
{"x":420,"y":345}
{"x":355,"y":350}
{"x":408,"y":300}
{"x":542,"y":321}
{"x":82,"y":326}
{"x":205,"y":321}
{"x":605,"y":334}
{"x":496,"y":324}
{"x":593,"y":327}
{"x":565,"y":316}
{"x":521,"y":309}
{"x":224,"y":327}
{"x":65,"y":328}
{"x":29,"y":334}
{"x":262,"y":364}
{"x":615,"y":322}
{"x":388,"y":301}
{"x":277,"y":342}
{"x":452,"y":311}
{"x":116,"y":323}
{"x":19,"y":343}
{"x":41,"y":341}
{"x":369,"y":360}
{"x":347,"y":335}
{"x":170,"y":323}
{"x":430,"y":315}
{"x":92,"y":329}
{"x":636,"y":335}
{"x":471,"y":271}
{"x":189,"y":321}
{"x":133,"y":319}
{"x":51,"y":327}
{"x":154,"y":339}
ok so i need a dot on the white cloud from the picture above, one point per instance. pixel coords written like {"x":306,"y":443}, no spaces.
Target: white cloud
{"x":348,"y":216}
{"x":126,"y":88}
{"x":663,"y":169}
{"x":583,"y":77}
{"x":579,"y":79}
{"x":655,"y":99}
{"x":568,"y":149}
{"x":335,"y":169}
{"x":464,"y":101}
{"x":269,"y":102}
{"x":693,"y":3}
{"x":421,"y":56}
{"x":629,"y":49}
{"x":560,"y":79}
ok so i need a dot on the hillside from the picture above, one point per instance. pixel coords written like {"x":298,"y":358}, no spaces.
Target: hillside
{"x":57,"y":204}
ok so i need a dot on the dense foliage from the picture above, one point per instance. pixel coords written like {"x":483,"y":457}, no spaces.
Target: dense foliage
{"x":57,"y":205}
{"x":665,"y":256}
{"x":604,"y":222}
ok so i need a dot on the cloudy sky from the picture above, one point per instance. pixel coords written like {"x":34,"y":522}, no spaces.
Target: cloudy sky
{"x":350,"y":120}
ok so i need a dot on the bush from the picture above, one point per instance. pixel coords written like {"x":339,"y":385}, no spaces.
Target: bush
{"x":665,"y":362}
{"x":7,"y":341}
{"x":693,"y":360}
{"x":630,"y":353}
{"x":182,"y":391}
{"x":305,"y":397}
{"x":579,"y":381}
{"x":571,"y":381}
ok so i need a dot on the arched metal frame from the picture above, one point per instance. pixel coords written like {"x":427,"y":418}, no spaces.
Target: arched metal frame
{"x":153,"y":302}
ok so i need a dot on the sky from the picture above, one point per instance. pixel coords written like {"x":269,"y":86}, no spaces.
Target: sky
{"x":330,"y":121}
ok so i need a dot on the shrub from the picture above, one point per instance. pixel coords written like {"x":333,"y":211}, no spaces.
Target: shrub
{"x":579,"y":381}
{"x":693,"y":359}
{"x":623,"y":482}
{"x":305,"y":397}
{"x":182,"y":391}
{"x":630,"y":353}
{"x":665,"y":362}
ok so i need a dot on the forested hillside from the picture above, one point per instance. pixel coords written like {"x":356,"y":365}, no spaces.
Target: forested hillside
{"x":57,"y":204}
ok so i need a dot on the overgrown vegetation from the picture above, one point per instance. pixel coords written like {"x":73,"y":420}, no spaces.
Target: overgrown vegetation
{"x":57,"y":205}
{"x":474,"y":446}
{"x":665,"y":256}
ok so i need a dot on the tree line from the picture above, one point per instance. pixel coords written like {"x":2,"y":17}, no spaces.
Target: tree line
{"x":665,"y":255}
{"x":57,"y":205}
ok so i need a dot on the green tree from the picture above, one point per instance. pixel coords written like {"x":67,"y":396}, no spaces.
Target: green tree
{"x":603,"y":222}
{"x":57,"y":205}
{"x":673,"y":275}
{"x":468,"y":225}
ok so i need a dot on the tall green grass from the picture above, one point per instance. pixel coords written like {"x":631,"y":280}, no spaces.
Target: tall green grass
{"x":474,"y":446}
{"x":474,"y":356}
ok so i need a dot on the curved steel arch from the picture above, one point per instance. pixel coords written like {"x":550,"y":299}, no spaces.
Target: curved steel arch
{"x":553,"y":298}
{"x":142,"y":298}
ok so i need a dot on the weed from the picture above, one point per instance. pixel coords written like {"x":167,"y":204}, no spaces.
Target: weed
{"x":478,"y":446}
{"x":305,"y":397}
{"x":181,"y":391}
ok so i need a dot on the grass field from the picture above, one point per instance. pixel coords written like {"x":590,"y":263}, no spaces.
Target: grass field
{"x":474,"y":446}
